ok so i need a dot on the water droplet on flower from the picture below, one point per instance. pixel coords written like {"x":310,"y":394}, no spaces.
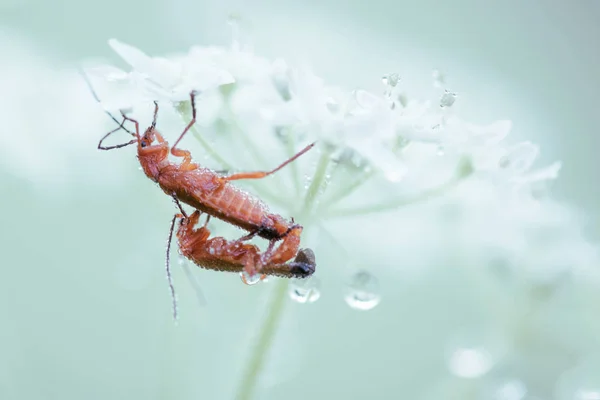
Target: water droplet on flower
{"x":363,"y":291}
{"x":307,"y":181}
{"x":305,"y":290}
{"x":447,"y":99}
{"x":390,"y":79}
{"x":470,"y":362}
{"x":250,"y":279}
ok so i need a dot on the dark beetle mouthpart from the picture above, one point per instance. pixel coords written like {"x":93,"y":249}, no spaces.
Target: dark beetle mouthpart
{"x":304,"y":265}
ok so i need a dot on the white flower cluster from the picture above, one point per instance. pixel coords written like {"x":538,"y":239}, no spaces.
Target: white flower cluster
{"x":409,"y":150}
{"x":386,"y":132}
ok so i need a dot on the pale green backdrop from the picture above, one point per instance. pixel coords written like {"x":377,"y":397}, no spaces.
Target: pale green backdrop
{"x":79,"y":325}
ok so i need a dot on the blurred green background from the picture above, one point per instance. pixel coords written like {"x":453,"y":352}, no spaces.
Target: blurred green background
{"x":80,"y":325}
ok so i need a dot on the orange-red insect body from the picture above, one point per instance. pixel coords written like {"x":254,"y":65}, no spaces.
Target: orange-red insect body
{"x":235,"y":256}
{"x":213,"y":194}
{"x":207,"y":191}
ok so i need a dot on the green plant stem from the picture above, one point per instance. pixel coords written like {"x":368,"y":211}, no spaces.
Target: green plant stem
{"x":260,"y":351}
{"x":209,"y":149}
{"x":347,"y":190}
{"x":397,"y":203}
{"x":291,"y":151}
{"x":315,"y":185}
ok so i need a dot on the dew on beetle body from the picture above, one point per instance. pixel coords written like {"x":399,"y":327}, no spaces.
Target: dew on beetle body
{"x":250,"y":279}
{"x":363,"y":291}
{"x":305,"y":290}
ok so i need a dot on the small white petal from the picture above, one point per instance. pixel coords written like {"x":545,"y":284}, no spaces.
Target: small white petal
{"x":132,"y":55}
{"x":519,"y":158}
{"x":543,"y":174}
{"x":108,"y":71}
{"x":116,"y":89}
{"x":368,"y":100}
{"x":381,"y":158}
{"x":490,"y":134}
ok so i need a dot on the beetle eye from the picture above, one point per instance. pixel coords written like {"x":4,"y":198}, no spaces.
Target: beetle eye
{"x":143,"y":143}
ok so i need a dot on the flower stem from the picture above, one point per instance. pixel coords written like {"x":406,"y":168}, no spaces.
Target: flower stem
{"x":315,"y":186}
{"x":209,"y":149}
{"x":290,"y":151}
{"x":260,"y":352}
{"x":397,"y":203}
{"x":348,"y":189}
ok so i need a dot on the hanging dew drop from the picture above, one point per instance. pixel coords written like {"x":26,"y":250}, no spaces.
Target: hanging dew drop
{"x":390,"y":80}
{"x":249,"y":279}
{"x":363,"y":291}
{"x":447,"y":99}
{"x":305,"y":290}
